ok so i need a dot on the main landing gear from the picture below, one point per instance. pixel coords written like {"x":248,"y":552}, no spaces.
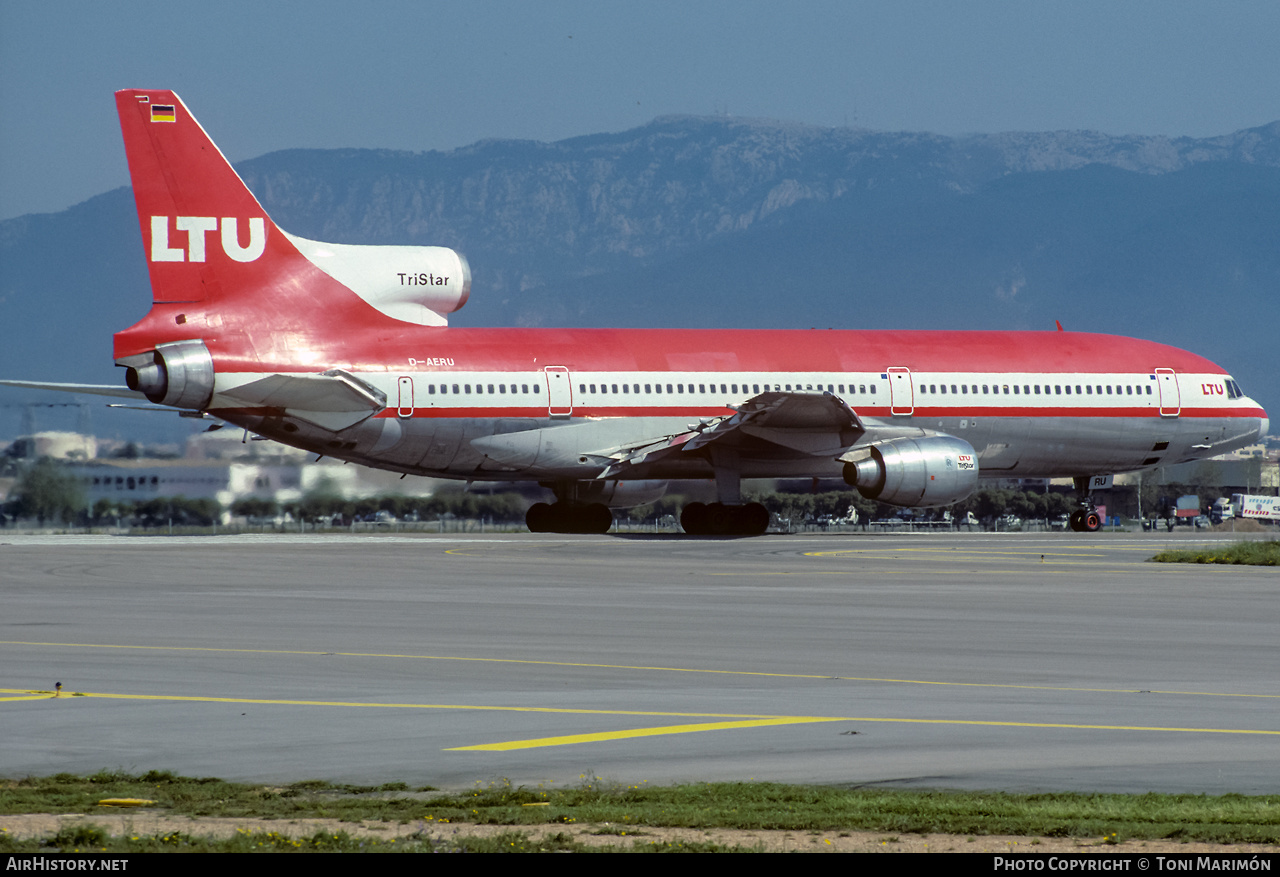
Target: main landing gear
{"x":720,"y":519}
{"x":568,"y":517}
{"x":1085,"y":519}
{"x":730,"y":516}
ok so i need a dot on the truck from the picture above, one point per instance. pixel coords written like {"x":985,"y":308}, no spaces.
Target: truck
{"x":1187,"y":508}
{"x":1260,"y":508}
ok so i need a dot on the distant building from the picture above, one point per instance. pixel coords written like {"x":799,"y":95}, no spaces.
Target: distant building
{"x":58,"y":445}
{"x":129,"y":481}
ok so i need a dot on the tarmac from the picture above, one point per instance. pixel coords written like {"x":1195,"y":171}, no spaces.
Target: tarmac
{"x":1023,"y":662}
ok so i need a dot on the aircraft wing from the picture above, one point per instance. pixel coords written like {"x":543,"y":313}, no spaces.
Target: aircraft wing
{"x":333,"y":400}
{"x":89,"y":389}
{"x":777,"y":425}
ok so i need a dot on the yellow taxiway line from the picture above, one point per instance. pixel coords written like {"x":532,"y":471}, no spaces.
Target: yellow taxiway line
{"x":632,"y":733}
{"x":729,"y":721}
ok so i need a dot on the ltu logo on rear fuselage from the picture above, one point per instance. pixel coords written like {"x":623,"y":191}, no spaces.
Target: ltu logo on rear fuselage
{"x":196,"y":228}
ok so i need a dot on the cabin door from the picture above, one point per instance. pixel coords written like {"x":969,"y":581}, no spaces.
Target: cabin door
{"x":559,"y":391}
{"x":901,"y":393}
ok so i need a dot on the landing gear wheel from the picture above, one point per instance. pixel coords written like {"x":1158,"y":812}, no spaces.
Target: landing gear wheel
{"x":596,"y":518}
{"x":1085,"y":521}
{"x":693,"y":517}
{"x":755,"y":519}
{"x":540,"y":518}
{"x":719,"y":519}
{"x":566,"y":517}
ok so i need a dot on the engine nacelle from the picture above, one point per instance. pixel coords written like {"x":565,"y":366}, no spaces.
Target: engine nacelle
{"x":415,"y":284}
{"x":931,"y":471}
{"x":180,"y":374}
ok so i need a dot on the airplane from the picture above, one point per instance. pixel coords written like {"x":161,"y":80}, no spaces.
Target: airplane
{"x":346,"y":351}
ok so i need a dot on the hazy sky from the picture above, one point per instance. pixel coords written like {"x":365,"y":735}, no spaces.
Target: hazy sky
{"x":422,"y":75}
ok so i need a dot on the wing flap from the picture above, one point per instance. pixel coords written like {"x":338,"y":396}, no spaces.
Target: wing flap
{"x":333,"y":400}
{"x":776,"y":425}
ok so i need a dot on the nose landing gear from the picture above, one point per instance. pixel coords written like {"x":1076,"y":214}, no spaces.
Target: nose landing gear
{"x":1085,"y":519}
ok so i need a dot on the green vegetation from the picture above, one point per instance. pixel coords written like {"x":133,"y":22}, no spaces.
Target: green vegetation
{"x":1248,"y":553}
{"x":47,"y":491}
{"x":1223,"y":819}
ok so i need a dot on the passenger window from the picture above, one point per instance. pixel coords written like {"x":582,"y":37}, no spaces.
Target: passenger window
{"x":491,"y":389}
{"x":455,"y":389}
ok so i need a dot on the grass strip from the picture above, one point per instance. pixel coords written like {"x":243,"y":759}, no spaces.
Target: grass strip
{"x":1247,"y":553}
{"x":1220,"y":819}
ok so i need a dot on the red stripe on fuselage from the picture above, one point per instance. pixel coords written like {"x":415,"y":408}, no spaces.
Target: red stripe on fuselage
{"x":393,"y":346}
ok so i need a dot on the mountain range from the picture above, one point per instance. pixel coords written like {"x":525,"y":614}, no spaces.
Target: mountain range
{"x":719,"y":221}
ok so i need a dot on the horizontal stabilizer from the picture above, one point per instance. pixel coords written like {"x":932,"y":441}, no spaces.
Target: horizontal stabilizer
{"x":89,"y":389}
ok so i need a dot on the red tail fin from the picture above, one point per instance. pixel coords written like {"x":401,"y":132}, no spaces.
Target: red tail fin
{"x":223,"y":273}
{"x":201,"y":226}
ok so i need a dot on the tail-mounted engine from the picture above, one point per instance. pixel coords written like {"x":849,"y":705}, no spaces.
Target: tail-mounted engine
{"x":931,"y":471}
{"x":420,"y":285}
{"x":179,"y":374}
